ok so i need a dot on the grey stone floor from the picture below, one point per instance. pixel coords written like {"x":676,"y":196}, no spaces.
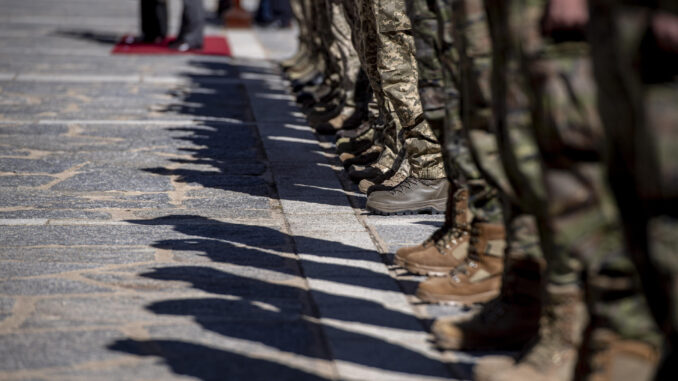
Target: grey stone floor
{"x":169,"y":217}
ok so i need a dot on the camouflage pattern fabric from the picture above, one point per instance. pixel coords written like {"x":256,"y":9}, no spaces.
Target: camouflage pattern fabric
{"x":399,"y":77}
{"x":311,"y":17}
{"x":638,"y":91}
{"x":427,"y":47}
{"x":544,"y":98}
{"x":472,"y":149}
{"x":347,"y":58}
{"x":330,"y":49}
{"x":365,"y":41}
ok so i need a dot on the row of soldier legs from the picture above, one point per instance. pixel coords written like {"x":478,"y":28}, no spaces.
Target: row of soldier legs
{"x":550,"y":148}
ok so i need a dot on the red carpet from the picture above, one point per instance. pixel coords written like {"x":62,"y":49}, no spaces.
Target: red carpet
{"x":213,"y":46}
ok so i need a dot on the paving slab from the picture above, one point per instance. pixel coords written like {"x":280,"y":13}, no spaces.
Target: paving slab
{"x":175,"y":217}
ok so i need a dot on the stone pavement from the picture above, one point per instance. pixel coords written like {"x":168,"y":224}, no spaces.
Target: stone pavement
{"x":169,"y":217}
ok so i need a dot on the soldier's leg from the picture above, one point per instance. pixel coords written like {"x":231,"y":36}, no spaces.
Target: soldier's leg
{"x":314,"y":63}
{"x":426,"y":188}
{"x":297,"y":14}
{"x":512,"y":319}
{"x":348,"y":65}
{"x":303,"y":37}
{"x":635,"y":73}
{"x":387,"y":123}
{"x":399,"y":75}
{"x":479,"y":276}
{"x":578,"y":232}
{"x":431,"y":87}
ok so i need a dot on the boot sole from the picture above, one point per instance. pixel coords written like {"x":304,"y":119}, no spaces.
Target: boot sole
{"x":482,"y":297}
{"x":430,"y":207}
{"x":426,"y":270}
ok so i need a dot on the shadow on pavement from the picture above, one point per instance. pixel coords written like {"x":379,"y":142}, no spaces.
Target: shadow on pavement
{"x":254,"y":299}
{"x":256,"y":292}
{"x":226,"y":141}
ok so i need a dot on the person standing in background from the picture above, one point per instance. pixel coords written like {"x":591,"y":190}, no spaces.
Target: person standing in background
{"x":154,"y":24}
{"x":191,"y":33}
{"x":153,"y":21}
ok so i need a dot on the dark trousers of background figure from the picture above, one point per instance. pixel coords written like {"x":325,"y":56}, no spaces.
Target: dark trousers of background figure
{"x":270,"y":11}
{"x":154,"y":21}
{"x":192,"y":22}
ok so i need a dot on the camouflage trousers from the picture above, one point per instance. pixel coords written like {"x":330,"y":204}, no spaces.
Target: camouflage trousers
{"x":387,"y":59}
{"x":364,"y":35}
{"x":399,"y":76}
{"x":299,"y":14}
{"x":638,"y":92}
{"x":342,"y":57}
{"x":484,"y":201}
{"x":310,"y":31}
{"x":544,"y":111}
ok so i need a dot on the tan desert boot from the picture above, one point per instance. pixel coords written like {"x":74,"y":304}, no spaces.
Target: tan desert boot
{"x":553,"y":355}
{"x":457,"y":217}
{"x":508,"y":322}
{"x":478,"y":279}
{"x":611,"y":358}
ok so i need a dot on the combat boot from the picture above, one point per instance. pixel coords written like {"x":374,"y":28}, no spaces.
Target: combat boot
{"x":366,"y":157}
{"x":307,"y":72}
{"x":300,"y":54}
{"x":383,"y":167}
{"x":354,"y":121}
{"x":335,"y":124}
{"x":508,"y":322}
{"x":449,"y":249}
{"x":403,"y":252}
{"x":356,"y":144}
{"x":553,"y":355}
{"x":305,"y":61}
{"x":610,"y":358}
{"x":322,"y":112}
{"x":358,"y":172}
{"x":476,"y":278}
{"x":368,"y":186}
{"x":351,"y":133}
{"x":413,"y":195}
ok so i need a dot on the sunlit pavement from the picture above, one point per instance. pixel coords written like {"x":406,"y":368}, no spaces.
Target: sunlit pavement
{"x":168,"y":217}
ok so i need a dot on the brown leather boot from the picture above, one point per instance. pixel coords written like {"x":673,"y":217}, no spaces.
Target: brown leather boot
{"x":449,"y":250}
{"x":450,"y":213}
{"x":611,"y":358}
{"x":553,"y":355}
{"x":478,"y":277}
{"x":505,"y":323}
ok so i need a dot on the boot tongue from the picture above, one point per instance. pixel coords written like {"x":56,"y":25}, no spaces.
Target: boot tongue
{"x":450,"y":235}
{"x":405,"y":185}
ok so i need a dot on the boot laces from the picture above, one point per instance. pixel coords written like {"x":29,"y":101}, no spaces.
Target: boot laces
{"x":449,"y":238}
{"x":405,"y":186}
{"x":439,"y":234}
